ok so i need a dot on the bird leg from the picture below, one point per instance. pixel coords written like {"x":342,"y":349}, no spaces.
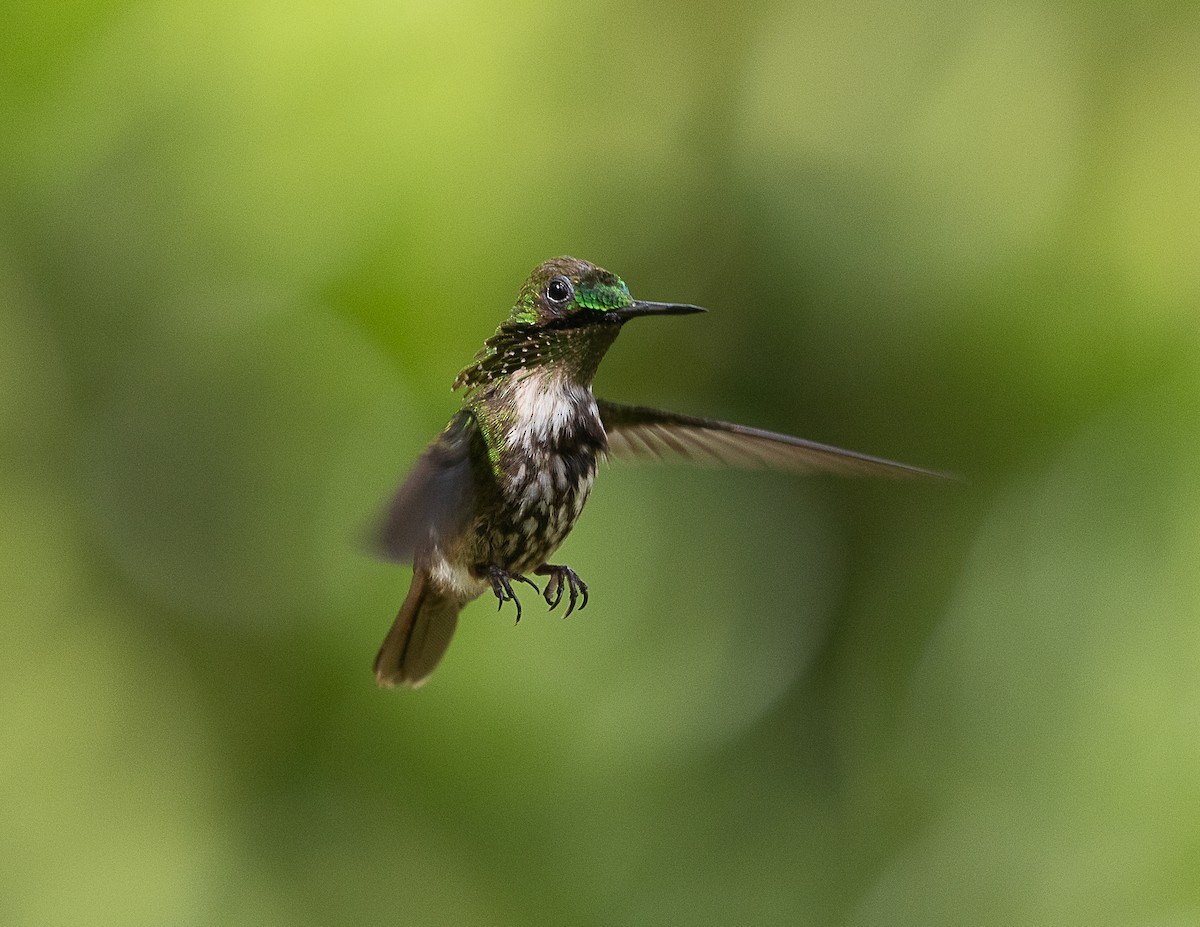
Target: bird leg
{"x":502,"y":586}
{"x":554,"y":587}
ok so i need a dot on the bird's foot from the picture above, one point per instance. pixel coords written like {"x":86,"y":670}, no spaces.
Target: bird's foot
{"x":502,"y":585}
{"x":560,"y":575}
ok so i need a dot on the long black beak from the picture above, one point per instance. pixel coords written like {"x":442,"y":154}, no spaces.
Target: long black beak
{"x":640,"y":308}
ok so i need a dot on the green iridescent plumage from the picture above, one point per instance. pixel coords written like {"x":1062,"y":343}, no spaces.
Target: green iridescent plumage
{"x":603,"y":295}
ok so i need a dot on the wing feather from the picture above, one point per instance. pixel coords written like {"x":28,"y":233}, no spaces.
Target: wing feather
{"x":436,"y":498}
{"x":637,"y":431}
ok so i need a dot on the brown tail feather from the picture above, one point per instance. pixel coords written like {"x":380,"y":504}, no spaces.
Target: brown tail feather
{"x":419,"y":636}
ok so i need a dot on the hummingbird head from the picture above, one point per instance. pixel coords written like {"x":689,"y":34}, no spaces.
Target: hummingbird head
{"x":566,"y":316}
{"x":566,"y":292}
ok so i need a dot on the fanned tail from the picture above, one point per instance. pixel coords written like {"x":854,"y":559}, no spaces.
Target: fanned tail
{"x":419,"y":635}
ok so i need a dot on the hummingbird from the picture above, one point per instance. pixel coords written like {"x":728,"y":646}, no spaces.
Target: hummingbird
{"x":494,"y":495}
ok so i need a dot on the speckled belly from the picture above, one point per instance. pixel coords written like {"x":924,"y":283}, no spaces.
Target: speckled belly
{"x":540,"y":506}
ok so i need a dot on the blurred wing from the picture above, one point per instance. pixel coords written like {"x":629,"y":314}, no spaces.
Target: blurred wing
{"x":635,"y":431}
{"x":436,"y":498}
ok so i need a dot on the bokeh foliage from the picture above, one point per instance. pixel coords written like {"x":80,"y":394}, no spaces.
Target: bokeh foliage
{"x":245,"y":247}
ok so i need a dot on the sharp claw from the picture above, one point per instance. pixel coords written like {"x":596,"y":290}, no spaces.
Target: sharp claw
{"x":503,"y":589}
{"x":512,"y":595}
{"x":578,"y":586}
{"x":561,"y":576}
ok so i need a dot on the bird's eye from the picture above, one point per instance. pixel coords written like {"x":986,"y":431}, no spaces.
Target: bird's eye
{"x":558,"y":290}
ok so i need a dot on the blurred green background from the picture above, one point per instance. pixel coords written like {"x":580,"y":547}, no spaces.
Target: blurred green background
{"x":244,"y":249}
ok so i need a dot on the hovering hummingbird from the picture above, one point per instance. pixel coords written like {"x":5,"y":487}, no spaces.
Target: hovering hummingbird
{"x":497,"y":492}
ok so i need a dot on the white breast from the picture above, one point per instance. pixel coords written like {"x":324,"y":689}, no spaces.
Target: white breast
{"x":547,"y":409}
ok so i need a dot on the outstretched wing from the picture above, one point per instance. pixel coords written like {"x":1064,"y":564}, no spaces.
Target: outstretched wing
{"x":636,"y":431}
{"x":436,"y":498}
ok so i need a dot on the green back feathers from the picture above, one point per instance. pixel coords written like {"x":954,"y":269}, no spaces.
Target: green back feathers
{"x":525,"y":310}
